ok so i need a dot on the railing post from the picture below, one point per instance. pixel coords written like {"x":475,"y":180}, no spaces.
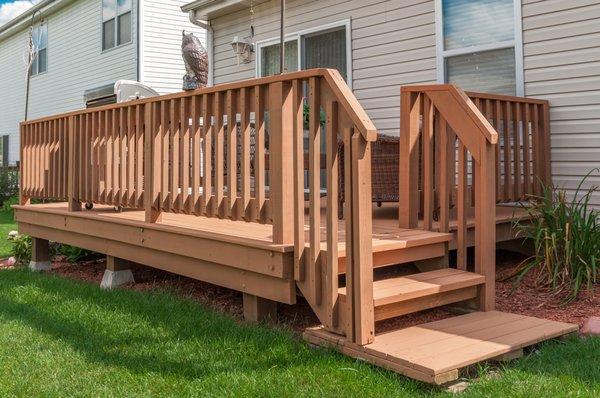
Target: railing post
{"x":73,"y":201}
{"x":408,"y":209}
{"x":281,"y":169}
{"x":152,"y":164}
{"x":485,"y":225}
{"x":362,"y":245}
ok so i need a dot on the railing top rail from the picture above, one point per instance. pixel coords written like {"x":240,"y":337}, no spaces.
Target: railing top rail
{"x":508,"y":98}
{"x":337,"y":84}
{"x":466,"y":104}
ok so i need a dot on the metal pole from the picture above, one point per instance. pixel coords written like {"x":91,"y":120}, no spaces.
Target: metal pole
{"x":282,"y":39}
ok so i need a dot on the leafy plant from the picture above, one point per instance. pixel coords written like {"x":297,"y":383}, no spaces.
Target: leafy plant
{"x":9,"y":183}
{"x":306,"y":116}
{"x":566,"y":238}
{"x":76,"y":254}
{"x":21,"y":248}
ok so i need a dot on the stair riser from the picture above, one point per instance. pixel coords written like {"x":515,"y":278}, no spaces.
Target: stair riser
{"x":422,"y":303}
{"x":401,"y":256}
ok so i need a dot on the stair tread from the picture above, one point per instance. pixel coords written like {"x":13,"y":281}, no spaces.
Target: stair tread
{"x":393,"y":290}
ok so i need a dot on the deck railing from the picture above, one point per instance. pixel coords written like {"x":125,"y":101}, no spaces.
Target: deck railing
{"x":235,"y":151}
{"x":444,"y":139}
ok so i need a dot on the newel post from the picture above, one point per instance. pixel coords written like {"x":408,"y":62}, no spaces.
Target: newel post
{"x":74,"y":203}
{"x":281,"y":113}
{"x":408,"y":206}
{"x":485,"y":225}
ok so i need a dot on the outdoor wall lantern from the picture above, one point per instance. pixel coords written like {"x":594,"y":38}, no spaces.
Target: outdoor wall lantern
{"x":242,"y":49}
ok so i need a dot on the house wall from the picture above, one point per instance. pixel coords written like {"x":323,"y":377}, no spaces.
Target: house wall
{"x":561,"y":46}
{"x":161,"y":65}
{"x":76,"y":62}
{"x":393,"y":44}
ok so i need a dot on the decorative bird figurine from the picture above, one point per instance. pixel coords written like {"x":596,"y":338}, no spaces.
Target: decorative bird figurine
{"x":196,"y":62}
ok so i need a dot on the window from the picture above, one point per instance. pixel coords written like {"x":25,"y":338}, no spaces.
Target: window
{"x":479,"y":45}
{"x":40,"y":46}
{"x":116,"y":23}
{"x":327,"y":47}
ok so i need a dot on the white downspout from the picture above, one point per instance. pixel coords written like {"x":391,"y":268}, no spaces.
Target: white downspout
{"x":209,"y":43}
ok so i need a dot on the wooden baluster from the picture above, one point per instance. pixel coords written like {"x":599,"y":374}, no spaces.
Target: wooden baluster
{"x":130,"y":154}
{"x":207,"y":133}
{"x":153,"y":139}
{"x":229,"y":208}
{"x":24,"y":164}
{"x":546,"y":165}
{"x":314,"y":186}
{"x":427,"y":141}
{"x":516,"y":114}
{"x":195,"y":206}
{"x":139,"y":152}
{"x":245,"y":133}
{"x":106,"y":155}
{"x":451,"y":137}
{"x":280,"y":169}
{"x":165,"y":153}
{"x":219,"y":155}
{"x":174,"y":139}
{"x":116,"y":154}
{"x":409,"y":160}
{"x":331,"y":271}
{"x":74,"y":204}
{"x":94,"y":158}
{"x":298,"y":136}
{"x":536,"y":150}
{"x":184,"y":148}
{"x":259,"y":160}
{"x":526,"y":152}
{"x":462,"y":210}
{"x":508,"y":148}
{"x":443,"y":173}
{"x":81,"y":158}
{"x":497,"y":116}
{"x":348,"y":230}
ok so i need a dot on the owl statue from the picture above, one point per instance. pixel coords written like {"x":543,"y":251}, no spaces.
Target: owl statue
{"x":196,"y":62}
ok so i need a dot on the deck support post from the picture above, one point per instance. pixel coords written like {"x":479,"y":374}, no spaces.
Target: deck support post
{"x":258,"y":309}
{"x":40,"y":255}
{"x":117,"y":273}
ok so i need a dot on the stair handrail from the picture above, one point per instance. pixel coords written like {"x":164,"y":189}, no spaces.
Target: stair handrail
{"x":444,"y":116}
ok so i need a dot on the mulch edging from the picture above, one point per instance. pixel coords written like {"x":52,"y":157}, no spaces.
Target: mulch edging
{"x":523,"y":300}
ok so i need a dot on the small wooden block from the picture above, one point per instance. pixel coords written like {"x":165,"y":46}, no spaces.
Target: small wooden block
{"x":509,"y":356}
{"x":258,"y":309}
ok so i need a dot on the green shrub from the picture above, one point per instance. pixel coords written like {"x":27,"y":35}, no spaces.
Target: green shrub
{"x":13,"y":200}
{"x":21,"y":248}
{"x":566,"y":237}
{"x":76,"y":254}
{"x":9,"y":183}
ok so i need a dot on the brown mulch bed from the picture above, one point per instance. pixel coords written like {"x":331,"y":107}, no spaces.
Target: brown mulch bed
{"x":524,"y":300}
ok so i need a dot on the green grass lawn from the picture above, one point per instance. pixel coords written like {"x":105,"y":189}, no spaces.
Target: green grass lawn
{"x":61,"y":337}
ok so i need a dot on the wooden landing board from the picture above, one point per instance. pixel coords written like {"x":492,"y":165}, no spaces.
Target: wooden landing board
{"x":435,"y":352}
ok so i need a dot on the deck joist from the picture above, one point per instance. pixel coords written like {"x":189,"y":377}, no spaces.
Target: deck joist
{"x":435,"y":352}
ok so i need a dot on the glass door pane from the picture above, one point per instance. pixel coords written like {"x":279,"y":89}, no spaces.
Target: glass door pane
{"x":326,"y":50}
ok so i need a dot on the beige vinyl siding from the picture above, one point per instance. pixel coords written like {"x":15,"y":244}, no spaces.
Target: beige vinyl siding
{"x":161,"y":65}
{"x":561,"y":46}
{"x":75,"y":63}
{"x":393,"y":44}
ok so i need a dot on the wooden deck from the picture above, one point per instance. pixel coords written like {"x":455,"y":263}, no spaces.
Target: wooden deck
{"x":435,"y":352}
{"x":240,"y":204}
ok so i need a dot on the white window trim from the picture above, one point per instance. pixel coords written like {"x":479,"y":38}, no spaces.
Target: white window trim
{"x":117,"y":15}
{"x":298,"y":34}
{"x":517,"y":43}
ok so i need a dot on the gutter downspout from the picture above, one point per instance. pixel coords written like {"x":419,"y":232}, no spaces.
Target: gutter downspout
{"x":209,"y":43}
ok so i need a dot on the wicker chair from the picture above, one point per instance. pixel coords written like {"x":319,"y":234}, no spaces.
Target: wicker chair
{"x":385,"y":156}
